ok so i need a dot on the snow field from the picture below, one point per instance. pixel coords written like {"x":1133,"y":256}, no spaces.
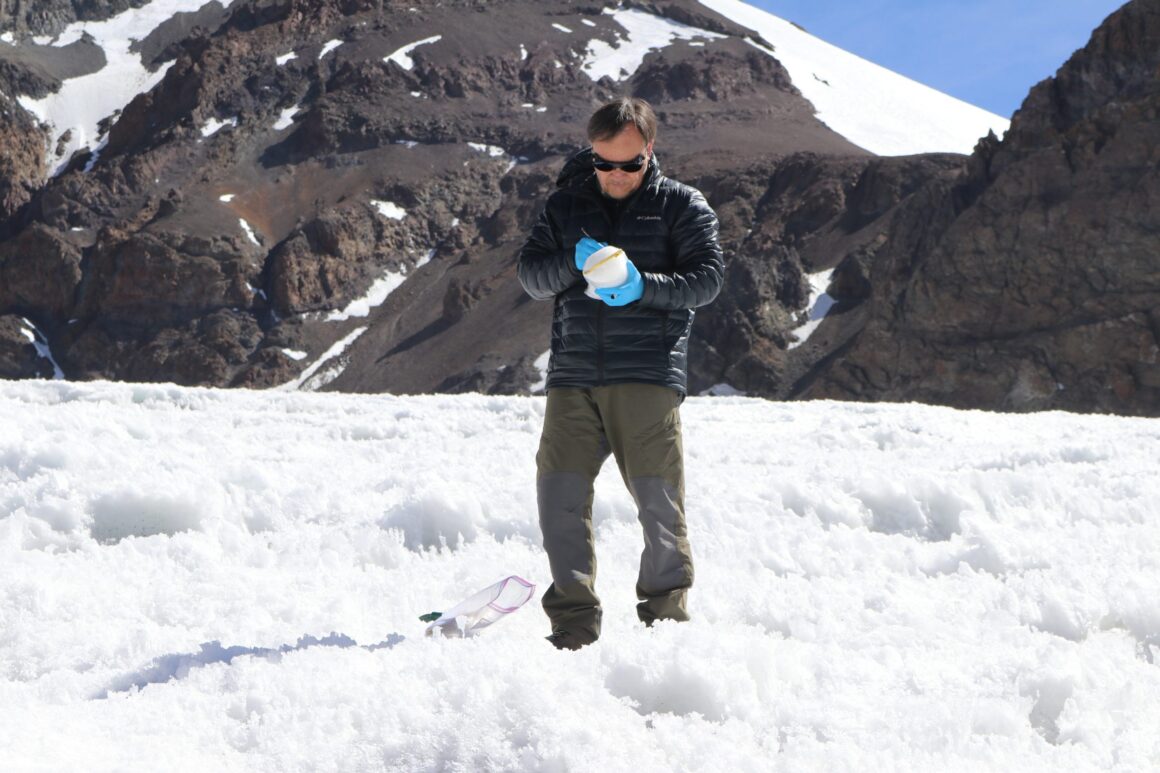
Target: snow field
{"x":892,"y":585}
{"x":877,"y":109}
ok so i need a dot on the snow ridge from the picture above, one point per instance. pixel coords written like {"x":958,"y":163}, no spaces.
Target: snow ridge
{"x":875,"y":108}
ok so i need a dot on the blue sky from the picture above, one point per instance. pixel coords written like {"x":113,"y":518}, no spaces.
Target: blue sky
{"x":986,"y":52}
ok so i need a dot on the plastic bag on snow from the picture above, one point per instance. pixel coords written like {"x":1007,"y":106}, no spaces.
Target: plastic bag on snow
{"x":472,"y":615}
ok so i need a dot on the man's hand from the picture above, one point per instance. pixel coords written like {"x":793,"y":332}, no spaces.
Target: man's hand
{"x":624,"y":294}
{"x":584,"y":249}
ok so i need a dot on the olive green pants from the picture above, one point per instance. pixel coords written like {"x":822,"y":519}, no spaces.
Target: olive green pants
{"x":640,"y":425}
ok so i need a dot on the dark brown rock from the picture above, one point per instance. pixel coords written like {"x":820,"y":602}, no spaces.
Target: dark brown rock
{"x":39,"y":273}
{"x":718,"y":75}
{"x":326,"y":262}
{"x":1032,"y":281}
{"x":142,"y":277}
{"x":22,"y":163}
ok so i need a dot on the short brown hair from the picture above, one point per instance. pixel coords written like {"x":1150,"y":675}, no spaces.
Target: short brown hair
{"x":612,"y":117}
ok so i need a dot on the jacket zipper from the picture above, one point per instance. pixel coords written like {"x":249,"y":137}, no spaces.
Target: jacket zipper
{"x":600,"y":344}
{"x":601,"y":310}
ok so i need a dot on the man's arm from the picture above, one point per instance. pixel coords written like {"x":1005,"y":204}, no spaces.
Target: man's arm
{"x":700,"y":266}
{"x":545,"y":267}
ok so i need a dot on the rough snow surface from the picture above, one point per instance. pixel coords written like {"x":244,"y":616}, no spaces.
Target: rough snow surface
{"x":210,"y":580}
{"x":402,"y":56}
{"x":875,"y":108}
{"x":645,"y":32}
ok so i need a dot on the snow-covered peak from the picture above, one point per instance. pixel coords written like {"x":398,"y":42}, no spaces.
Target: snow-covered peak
{"x":875,"y":108}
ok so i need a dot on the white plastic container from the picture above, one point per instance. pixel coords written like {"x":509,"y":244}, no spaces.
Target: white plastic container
{"x":607,"y":267}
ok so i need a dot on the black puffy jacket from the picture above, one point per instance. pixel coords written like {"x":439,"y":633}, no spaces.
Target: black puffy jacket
{"x":669,"y":232}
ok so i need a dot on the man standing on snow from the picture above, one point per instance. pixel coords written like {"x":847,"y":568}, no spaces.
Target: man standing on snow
{"x":618,"y":369}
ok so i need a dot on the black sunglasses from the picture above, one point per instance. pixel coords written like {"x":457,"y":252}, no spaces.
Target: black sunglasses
{"x":635,"y":165}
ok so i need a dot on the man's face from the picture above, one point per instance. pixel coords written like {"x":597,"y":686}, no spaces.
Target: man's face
{"x":628,"y":145}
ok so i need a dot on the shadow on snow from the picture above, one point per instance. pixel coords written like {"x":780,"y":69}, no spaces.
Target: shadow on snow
{"x":172,"y":667}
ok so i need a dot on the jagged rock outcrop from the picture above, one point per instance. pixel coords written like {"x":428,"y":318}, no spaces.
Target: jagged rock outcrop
{"x":49,"y":17}
{"x":39,"y":272}
{"x":1032,"y":281}
{"x":22,"y":163}
{"x":781,"y":222}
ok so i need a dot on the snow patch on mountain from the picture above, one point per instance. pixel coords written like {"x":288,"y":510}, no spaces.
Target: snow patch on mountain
{"x":541,"y":366}
{"x":330,"y":46}
{"x":494,"y":151}
{"x":389,"y":209}
{"x":402,"y":56}
{"x":819,"y":306}
{"x":644,"y":32}
{"x":875,"y":108}
{"x":286,"y":118}
{"x":83,"y":102}
{"x":313,"y":377}
{"x":214,"y":125}
{"x":249,"y":230}
{"x":378,"y":292}
{"x":39,"y":342}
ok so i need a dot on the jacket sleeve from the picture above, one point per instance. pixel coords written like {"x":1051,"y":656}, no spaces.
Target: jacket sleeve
{"x":700,"y":265}
{"x":546,"y":268}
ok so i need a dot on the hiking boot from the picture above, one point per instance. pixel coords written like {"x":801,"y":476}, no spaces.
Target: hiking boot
{"x":567,"y":640}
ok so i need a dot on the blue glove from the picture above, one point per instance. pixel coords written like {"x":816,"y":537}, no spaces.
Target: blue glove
{"x":624,"y":294}
{"x":584,"y":249}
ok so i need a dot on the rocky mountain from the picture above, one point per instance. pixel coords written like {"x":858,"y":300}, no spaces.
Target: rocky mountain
{"x":1032,"y":279}
{"x":331,"y":193}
